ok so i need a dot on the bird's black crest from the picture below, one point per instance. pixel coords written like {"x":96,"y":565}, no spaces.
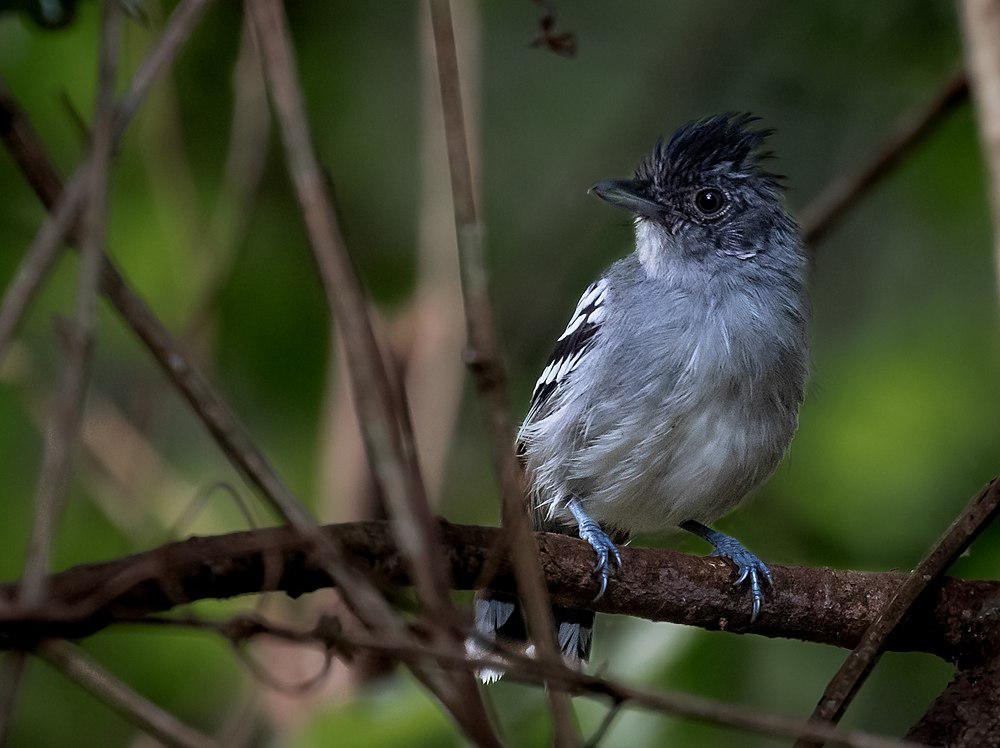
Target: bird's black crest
{"x":724,"y":142}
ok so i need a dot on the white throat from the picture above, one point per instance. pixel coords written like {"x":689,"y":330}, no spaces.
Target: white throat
{"x":652,"y":243}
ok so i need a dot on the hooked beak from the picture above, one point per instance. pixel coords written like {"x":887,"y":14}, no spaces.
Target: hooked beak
{"x":628,"y":194}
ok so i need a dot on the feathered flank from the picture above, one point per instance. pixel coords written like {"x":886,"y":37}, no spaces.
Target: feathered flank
{"x":724,"y":143}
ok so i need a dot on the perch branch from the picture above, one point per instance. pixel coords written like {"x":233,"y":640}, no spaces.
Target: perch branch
{"x":967,"y":713}
{"x":810,"y":604}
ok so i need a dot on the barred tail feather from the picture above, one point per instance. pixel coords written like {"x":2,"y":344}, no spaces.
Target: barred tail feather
{"x":500,"y":617}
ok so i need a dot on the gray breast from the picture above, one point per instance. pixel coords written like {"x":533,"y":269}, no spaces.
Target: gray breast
{"x":689,"y":405}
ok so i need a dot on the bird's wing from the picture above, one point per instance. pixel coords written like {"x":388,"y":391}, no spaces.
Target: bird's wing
{"x":569,"y":353}
{"x":572,"y":346}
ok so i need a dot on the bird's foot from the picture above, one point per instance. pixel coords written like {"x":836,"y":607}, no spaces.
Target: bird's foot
{"x":748,"y":568}
{"x":607,"y":554}
{"x":608,"y":557}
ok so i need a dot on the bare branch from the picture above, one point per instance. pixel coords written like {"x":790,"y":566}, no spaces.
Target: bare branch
{"x":967,"y":713}
{"x":823,"y":213}
{"x":78,"y":667}
{"x":485,"y":362}
{"x":372,"y":389}
{"x":38,"y":260}
{"x":230,"y":435}
{"x":335,"y":641}
{"x":11,"y":674}
{"x":246,"y":158}
{"x":824,"y":606}
{"x":206,"y":403}
{"x":384,"y":425}
{"x":602,"y":729}
{"x":68,"y":407}
{"x":974,"y":518}
{"x":23,"y":143}
{"x":981,"y":23}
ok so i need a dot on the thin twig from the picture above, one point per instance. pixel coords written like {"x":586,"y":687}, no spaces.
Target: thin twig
{"x":485,"y":361}
{"x":24,"y":145}
{"x":64,"y":425}
{"x":823,"y":213}
{"x":38,"y":260}
{"x":330,"y":635}
{"x":78,"y":667}
{"x":228,"y":432}
{"x":67,"y":409}
{"x":981,"y":23}
{"x":11,"y":675}
{"x":246,"y":158}
{"x":387,"y":435}
{"x":976,"y":515}
{"x":346,"y":299}
{"x":602,"y":729}
{"x":22,"y":142}
{"x":200,"y":500}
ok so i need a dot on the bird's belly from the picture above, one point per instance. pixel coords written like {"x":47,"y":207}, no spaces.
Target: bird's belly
{"x":698,"y":467}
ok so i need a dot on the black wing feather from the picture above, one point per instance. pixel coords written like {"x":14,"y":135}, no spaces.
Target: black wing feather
{"x":572,"y":345}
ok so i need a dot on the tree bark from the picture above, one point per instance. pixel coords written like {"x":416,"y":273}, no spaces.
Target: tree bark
{"x":811,"y":604}
{"x":967,"y":713}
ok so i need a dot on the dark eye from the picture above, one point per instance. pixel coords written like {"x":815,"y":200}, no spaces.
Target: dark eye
{"x":709,"y":201}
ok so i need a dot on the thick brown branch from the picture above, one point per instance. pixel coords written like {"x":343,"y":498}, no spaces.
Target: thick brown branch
{"x":967,"y":713}
{"x":816,"y":605}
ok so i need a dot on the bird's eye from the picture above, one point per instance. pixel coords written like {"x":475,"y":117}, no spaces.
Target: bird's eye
{"x":709,"y":201}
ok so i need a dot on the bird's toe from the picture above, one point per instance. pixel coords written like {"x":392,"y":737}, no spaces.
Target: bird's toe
{"x":608,"y":557}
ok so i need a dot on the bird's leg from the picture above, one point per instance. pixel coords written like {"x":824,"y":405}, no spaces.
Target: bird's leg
{"x":607,"y":553}
{"x":748,"y":566}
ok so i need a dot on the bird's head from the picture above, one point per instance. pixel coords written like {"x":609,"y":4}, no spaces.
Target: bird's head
{"x":703,"y":193}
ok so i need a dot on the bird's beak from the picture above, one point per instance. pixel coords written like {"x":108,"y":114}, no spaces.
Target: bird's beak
{"x":628,"y":194}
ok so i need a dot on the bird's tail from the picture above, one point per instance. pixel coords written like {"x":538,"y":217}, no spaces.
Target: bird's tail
{"x":500,"y":617}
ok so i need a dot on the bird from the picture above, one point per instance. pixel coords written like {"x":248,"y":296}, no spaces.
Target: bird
{"x":675,"y":388}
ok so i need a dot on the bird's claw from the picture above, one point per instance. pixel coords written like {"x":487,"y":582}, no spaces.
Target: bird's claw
{"x":607,"y":555}
{"x":748,"y":567}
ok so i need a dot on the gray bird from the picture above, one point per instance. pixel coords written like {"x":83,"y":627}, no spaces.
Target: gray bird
{"x":674,"y":390}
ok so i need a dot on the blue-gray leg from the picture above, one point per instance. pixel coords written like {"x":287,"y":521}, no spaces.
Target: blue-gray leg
{"x":607,"y":553}
{"x":748,"y":566}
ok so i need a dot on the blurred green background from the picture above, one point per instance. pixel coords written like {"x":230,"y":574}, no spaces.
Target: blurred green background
{"x":899,"y":428}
